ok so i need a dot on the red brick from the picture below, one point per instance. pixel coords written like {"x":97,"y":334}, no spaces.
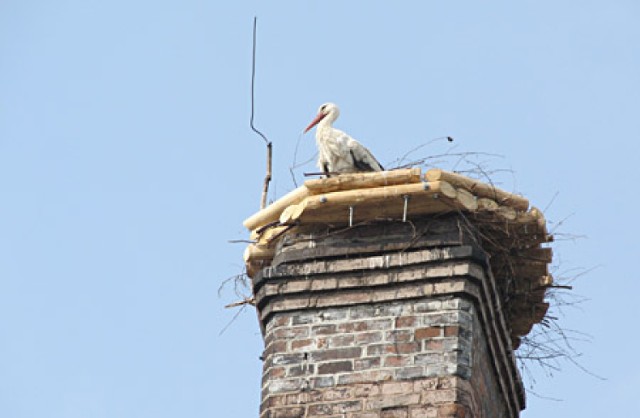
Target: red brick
{"x":338,"y":394}
{"x":368,"y":337}
{"x":301,"y":344}
{"x":374,"y":325}
{"x":393,"y":401}
{"x":390,"y":388}
{"x":320,"y":409}
{"x":321,"y":343}
{"x":291,"y":332}
{"x":405,"y":321}
{"x":366,"y":363}
{"x":274,"y":401}
{"x":452,"y":411}
{"x":399,"y":348}
{"x":336,"y":354}
{"x":307,"y":396}
{"x":424,"y":412}
{"x":341,"y":340}
{"x":367,"y":390}
{"x":325,"y":409}
{"x":426,"y":384}
{"x":438,"y":396}
{"x":301,"y":370}
{"x":397,"y":336}
{"x":451,"y":331}
{"x":394,"y":413}
{"x":295,"y":412}
{"x":405,"y":348}
{"x":352,"y":326}
{"x":429,"y":332}
{"x":323,"y":329}
{"x":397,"y":361}
{"x":348,"y":406}
{"x":435,"y":345}
{"x":278,"y":346}
{"x":279,"y":321}
{"x":335,"y":367}
{"x":365,"y":415}
{"x":365,"y":377}
{"x":276,"y":372}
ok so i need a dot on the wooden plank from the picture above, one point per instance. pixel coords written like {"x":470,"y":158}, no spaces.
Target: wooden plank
{"x":364,"y":180}
{"x":479,"y":188}
{"x":272,"y":212}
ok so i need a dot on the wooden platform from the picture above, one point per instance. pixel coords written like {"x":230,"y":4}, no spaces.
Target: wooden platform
{"x":512,"y":232}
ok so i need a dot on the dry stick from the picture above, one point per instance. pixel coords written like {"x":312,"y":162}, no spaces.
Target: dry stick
{"x":267,"y":177}
{"x":247,"y":301}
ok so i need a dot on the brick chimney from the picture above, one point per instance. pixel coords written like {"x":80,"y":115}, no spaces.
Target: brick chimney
{"x":376,"y":317}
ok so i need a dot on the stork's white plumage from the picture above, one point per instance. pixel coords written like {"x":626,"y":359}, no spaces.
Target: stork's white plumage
{"x":338,"y":152}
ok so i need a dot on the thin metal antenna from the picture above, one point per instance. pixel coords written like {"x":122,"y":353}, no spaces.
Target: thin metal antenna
{"x":267,"y":177}
{"x":253,"y":82}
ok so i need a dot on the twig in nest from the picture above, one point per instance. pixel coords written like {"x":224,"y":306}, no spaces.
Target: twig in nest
{"x":411,"y":151}
{"x":331,"y":173}
{"x":232,"y":320}
{"x":245,"y":301}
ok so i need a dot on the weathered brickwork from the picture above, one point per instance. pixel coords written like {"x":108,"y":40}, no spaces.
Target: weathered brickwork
{"x":382,"y":360}
{"x":412,"y":334}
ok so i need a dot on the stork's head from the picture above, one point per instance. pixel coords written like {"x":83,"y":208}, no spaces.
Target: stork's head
{"x":328,"y":111}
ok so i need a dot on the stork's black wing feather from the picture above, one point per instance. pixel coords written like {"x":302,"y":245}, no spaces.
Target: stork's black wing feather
{"x":362,"y":165}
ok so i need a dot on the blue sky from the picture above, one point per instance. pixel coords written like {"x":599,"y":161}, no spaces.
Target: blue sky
{"x":127,"y":163}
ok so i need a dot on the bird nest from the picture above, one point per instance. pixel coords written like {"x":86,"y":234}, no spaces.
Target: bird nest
{"x":509,"y":230}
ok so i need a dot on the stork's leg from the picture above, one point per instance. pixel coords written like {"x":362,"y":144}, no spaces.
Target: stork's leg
{"x":325,"y":168}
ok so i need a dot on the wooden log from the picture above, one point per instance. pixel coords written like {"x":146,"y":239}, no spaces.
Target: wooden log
{"x":291,"y":214}
{"x":340,"y":215}
{"x":466,"y":199}
{"x":486,"y":204}
{"x":540,"y":219}
{"x":479,"y":188}
{"x":507,"y":212}
{"x":272,"y":212}
{"x":253,"y":267}
{"x":381,"y":194}
{"x":376,"y":203}
{"x":364,"y":180}
{"x":272,"y":234}
{"x":255,"y":252}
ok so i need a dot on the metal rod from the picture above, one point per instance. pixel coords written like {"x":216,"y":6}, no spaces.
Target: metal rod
{"x":406,"y":206}
{"x":350,"y":216}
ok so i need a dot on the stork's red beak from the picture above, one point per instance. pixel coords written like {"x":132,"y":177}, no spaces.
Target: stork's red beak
{"x":315,"y":122}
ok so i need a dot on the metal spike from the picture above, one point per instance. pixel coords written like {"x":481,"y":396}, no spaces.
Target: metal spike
{"x":406,"y":206}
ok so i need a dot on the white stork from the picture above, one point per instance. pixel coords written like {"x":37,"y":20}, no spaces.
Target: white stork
{"x":338,"y":152}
